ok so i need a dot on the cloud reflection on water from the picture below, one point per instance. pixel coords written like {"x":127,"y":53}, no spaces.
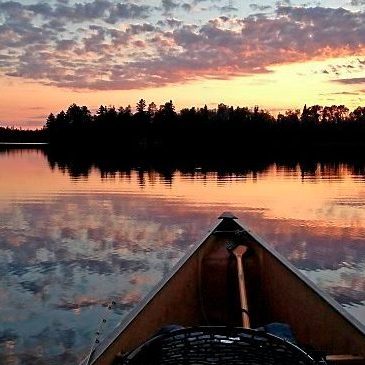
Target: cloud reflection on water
{"x":70,"y":246}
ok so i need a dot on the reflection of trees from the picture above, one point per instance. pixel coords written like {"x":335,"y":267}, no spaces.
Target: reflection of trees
{"x":165,"y":167}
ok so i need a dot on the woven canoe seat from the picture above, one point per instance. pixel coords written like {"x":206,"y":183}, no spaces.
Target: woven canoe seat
{"x":217,"y":345}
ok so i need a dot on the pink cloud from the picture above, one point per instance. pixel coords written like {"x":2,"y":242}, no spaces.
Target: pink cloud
{"x":142,"y":55}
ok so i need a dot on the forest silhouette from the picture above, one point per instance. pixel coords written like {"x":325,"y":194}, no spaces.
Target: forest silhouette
{"x":162,"y":129}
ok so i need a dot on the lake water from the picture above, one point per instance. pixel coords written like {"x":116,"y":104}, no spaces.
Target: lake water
{"x":76,"y":236}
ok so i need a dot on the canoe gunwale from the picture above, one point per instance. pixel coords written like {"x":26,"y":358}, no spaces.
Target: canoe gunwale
{"x":110,"y":339}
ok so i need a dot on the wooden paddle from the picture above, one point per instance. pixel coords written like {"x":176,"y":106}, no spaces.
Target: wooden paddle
{"x":239,"y":251}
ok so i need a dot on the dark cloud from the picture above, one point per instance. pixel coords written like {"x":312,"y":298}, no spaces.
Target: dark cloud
{"x":135,"y":29}
{"x":344,"y":68}
{"x":65,"y":44}
{"x":196,"y":5}
{"x":357,"y":2}
{"x":56,"y":25}
{"x":351,"y":81}
{"x":170,"y":22}
{"x":225,"y":8}
{"x":258,"y":7}
{"x":128,"y":11}
{"x":350,"y":93}
{"x":8,"y":335}
{"x":187,"y":7}
{"x":106,"y":10}
{"x":347,"y":93}
{"x":169,"y":5}
{"x":41,"y":8}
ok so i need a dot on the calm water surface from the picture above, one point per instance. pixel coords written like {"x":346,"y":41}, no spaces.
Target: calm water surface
{"x":75,"y":238}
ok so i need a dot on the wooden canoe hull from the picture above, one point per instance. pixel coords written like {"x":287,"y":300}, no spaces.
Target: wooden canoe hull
{"x":202,"y":289}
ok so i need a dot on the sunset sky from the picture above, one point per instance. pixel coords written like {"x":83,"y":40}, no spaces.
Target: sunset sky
{"x":277,"y":54}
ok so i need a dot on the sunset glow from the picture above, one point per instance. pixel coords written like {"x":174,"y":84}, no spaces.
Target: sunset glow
{"x":279,"y":55}
{"x":31,"y":179}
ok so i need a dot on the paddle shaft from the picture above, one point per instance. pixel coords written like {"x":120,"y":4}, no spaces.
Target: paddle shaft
{"x":239,"y":251}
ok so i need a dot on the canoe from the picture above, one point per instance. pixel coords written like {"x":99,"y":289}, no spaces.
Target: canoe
{"x":203,"y":289}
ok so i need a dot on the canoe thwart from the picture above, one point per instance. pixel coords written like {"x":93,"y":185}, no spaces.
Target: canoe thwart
{"x":236,"y":232}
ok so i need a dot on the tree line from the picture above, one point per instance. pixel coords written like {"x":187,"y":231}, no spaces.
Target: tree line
{"x":15,"y":135}
{"x":149,"y":127}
